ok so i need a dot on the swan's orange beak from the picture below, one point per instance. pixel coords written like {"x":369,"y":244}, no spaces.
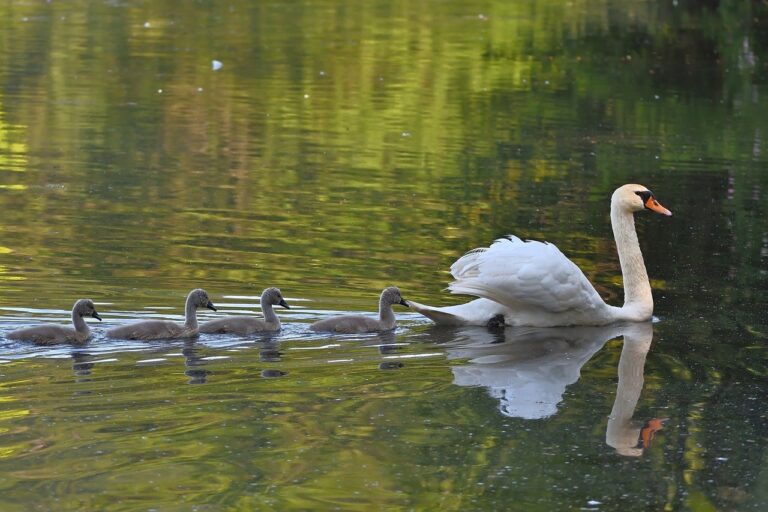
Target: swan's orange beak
{"x":653,"y":205}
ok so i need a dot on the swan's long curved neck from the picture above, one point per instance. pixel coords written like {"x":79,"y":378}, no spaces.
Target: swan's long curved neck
{"x":386,"y":315}
{"x":638,"y":300}
{"x":269,"y":313}
{"x":80,"y":324}
{"x":190,"y":313}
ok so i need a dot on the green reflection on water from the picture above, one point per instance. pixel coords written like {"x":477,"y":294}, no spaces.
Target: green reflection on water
{"x":346,"y":146}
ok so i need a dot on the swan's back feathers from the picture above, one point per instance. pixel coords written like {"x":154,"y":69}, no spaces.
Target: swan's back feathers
{"x":150,"y":330}
{"x":48,"y":335}
{"x":240,"y":325}
{"x":350,"y":324}
{"x":525,"y":275}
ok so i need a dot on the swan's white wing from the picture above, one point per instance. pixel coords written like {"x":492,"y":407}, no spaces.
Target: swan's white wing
{"x":524,"y":276}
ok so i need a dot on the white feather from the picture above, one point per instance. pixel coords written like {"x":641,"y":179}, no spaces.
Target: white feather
{"x":525,"y":275}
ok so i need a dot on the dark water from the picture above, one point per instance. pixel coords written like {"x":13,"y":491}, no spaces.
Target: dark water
{"x":346,"y":146}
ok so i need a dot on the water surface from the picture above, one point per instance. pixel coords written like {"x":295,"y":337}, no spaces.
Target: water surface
{"x":346,"y":146}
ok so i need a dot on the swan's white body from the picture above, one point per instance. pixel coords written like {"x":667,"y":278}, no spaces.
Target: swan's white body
{"x":533,"y":284}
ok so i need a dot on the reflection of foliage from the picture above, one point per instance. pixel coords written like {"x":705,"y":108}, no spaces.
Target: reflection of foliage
{"x":349,"y":145}
{"x":287,"y":150}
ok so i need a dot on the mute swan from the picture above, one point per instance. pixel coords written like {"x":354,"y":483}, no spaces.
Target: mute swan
{"x":165,"y":329}
{"x":351,"y":324}
{"x":533,"y":284}
{"x":53,"y":334}
{"x":244,"y":325}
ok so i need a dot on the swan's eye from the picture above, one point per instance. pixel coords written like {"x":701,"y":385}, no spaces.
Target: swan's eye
{"x":645,"y":195}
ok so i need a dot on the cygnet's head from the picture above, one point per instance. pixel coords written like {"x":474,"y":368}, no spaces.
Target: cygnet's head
{"x":635,"y":198}
{"x":199,"y":298}
{"x":274,"y":297}
{"x":86,"y":307}
{"x":391,"y":295}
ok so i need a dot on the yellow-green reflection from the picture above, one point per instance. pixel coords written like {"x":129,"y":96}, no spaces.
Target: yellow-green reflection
{"x":345,"y":146}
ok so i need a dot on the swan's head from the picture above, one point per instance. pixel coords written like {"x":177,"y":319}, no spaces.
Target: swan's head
{"x":634,"y":198}
{"x":391,"y":295}
{"x":199,"y":298}
{"x":86,"y":307}
{"x":274,"y":297}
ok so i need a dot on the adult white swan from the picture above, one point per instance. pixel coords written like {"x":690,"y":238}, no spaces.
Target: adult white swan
{"x":532,"y":283}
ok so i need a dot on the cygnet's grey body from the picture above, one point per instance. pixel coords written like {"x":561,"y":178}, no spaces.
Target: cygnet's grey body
{"x":54,"y":334}
{"x":244,"y":325}
{"x":352,"y":324}
{"x":165,"y":329}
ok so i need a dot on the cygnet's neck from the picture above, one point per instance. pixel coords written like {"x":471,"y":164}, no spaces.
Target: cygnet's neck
{"x":190,"y":313}
{"x":269,"y":314}
{"x":386,"y":315}
{"x":638,"y":300}
{"x":80,"y":324}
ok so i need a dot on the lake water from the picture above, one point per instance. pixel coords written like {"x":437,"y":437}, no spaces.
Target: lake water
{"x":333,"y":148}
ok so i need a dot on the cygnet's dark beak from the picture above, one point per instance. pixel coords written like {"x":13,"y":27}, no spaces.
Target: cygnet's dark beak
{"x":403,"y":302}
{"x":284,"y":304}
{"x":210,"y":306}
{"x":96,"y":315}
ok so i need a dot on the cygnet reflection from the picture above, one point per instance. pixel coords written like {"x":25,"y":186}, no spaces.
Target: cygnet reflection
{"x":194,"y":363}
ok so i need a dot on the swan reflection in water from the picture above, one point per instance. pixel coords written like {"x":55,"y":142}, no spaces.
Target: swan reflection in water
{"x":528,"y":370}
{"x":626,"y":435}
